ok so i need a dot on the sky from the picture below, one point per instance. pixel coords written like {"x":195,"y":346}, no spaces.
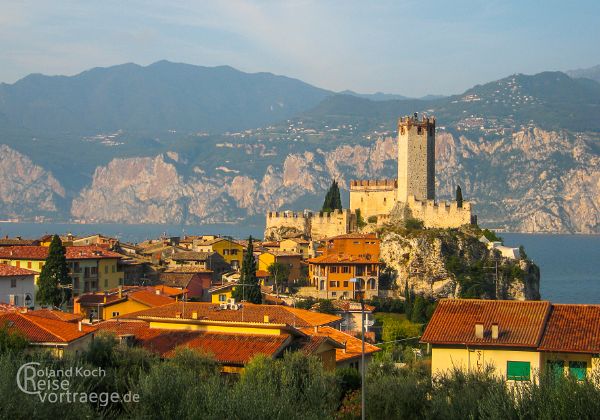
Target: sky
{"x":411,"y":48}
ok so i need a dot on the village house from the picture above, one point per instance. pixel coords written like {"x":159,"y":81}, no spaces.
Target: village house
{"x":292,"y":260}
{"x":346,"y":257}
{"x":235,"y":333}
{"x":208,"y":261}
{"x":17,"y":286}
{"x":111,"y":304}
{"x":18,"y":241}
{"x":231,"y":251}
{"x":91,"y":268}
{"x":44,"y":331}
{"x":195,"y":280}
{"x":298,"y":245}
{"x":518,"y":339}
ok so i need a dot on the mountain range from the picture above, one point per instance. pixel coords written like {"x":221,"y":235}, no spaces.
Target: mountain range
{"x":176,"y":143}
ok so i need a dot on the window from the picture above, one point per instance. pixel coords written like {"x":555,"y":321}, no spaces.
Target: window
{"x":333,"y":293}
{"x":578,"y":370}
{"x":114,"y":268}
{"x":322,"y":285}
{"x":13,"y":282}
{"x":225,"y":252}
{"x":106,"y":269}
{"x":105,"y":283}
{"x":234,"y":252}
{"x":333,"y":269}
{"x":115,"y":314}
{"x":18,"y":264}
{"x":333,"y":284}
{"x":345,"y":269}
{"x":40,"y":265}
{"x":518,"y":371}
{"x":28,"y":264}
{"x":222,"y":298}
{"x":345,"y":284}
{"x":556,"y":368}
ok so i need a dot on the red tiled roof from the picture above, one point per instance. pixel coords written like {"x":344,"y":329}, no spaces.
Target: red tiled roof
{"x":55,"y":314}
{"x":72,"y":252}
{"x":249,"y":313}
{"x":342,"y":259}
{"x":226,"y":348}
{"x":44,"y":330}
{"x":150,"y":298}
{"x":572,"y":328}
{"x":353,"y":345}
{"x":9,"y":271}
{"x":520,"y":323}
{"x":355,"y":236}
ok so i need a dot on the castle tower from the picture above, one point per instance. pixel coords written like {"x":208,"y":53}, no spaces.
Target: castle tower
{"x":416,"y":158}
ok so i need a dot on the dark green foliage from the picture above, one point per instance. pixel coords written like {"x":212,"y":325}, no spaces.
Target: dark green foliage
{"x":348,"y":379}
{"x":387,"y":304}
{"x":326,"y":306}
{"x":333,"y":200}
{"x":54,"y":276}
{"x":11,"y":340}
{"x":491,"y":236}
{"x":372,"y":219}
{"x":306,"y":303}
{"x":387,"y":278}
{"x":279,"y":274}
{"x":360,"y":222}
{"x":522,"y":252}
{"x":249,"y":288}
{"x":459,"y":196}
{"x":413,"y":224}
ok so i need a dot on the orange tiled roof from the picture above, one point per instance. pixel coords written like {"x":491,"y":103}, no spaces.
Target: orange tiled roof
{"x":170,"y":291}
{"x":55,"y":314}
{"x":150,"y":298}
{"x":250,"y":313}
{"x":44,"y":330}
{"x":572,"y":328}
{"x":355,"y":236}
{"x":520,"y":323}
{"x":9,"y":271}
{"x":235,"y":349}
{"x":72,"y":252}
{"x":353,"y":345}
{"x":342,"y":259}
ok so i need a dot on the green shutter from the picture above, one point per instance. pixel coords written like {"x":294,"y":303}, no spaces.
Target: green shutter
{"x":518,"y":371}
{"x":578,"y":370}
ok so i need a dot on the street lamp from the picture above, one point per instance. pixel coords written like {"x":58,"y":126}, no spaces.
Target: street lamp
{"x":356,"y":281}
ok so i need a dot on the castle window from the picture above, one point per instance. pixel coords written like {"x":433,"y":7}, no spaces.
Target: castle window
{"x":384,"y":199}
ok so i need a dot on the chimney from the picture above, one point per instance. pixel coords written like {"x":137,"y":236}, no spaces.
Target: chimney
{"x":157,"y":291}
{"x":266,"y":319}
{"x":104,"y":298}
{"x":495,"y":331}
{"x":479,"y":330}
{"x":177,"y":314}
{"x":316,"y":328}
{"x":79,"y":326}
{"x":194,"y":315}
{"x":120,"y":292}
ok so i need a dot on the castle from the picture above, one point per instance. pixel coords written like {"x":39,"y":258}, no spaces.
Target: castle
{"x":411,"y":195}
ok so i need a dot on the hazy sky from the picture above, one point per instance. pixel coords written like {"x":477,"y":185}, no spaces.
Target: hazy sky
{"x":406,"y":47}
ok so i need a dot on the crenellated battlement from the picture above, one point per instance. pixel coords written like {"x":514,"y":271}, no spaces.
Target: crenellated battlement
{"x":316,"y":225}
{"x":414,"y":121}
{"x":373,"y":184}
{"x":442,"y":214}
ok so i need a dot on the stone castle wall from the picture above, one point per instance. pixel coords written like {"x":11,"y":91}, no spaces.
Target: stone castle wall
{"x":316,"y":225}
{"x":373,"y":197}
{"x":436,"y":215}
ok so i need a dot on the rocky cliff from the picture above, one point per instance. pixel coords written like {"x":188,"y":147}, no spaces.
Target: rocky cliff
{"x":454,"y":263}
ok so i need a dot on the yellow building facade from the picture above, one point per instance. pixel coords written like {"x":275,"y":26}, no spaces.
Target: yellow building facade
{"x":231,"y":251}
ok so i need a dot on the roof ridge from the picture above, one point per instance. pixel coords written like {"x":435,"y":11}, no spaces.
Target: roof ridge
{"x":41,"y":326}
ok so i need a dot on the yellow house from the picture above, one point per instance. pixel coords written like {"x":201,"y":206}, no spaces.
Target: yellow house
{"x":231,"y":251}
{"x":518,"y":339}
{"x":292,"y":260}
{"x":92,"y":268}
{"x":103,"y":306}
{"x":298,"y":245}
{"x":234,"y":335}
{"x":221,"y":293}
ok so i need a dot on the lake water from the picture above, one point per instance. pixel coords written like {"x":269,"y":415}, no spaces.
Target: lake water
{"x":569,"y":264}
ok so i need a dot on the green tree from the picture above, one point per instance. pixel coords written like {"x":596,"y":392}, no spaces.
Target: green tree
{"x":249,"y":288}
{"x":279,"y":274}
{"x":360,"y":222}
{"x":459,"y":197}
{"x":326,"y":306}
{"x":333,"y":199}
{"x":54,"y":276}
{"x":11,"y":340}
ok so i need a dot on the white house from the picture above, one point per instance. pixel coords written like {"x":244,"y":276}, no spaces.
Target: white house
{"x":17,"y":286}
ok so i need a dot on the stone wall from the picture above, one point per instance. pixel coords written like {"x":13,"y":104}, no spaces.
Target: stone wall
{"x":317,"y":225}
{"x":373,"y":197}
{"x":439,"y":215}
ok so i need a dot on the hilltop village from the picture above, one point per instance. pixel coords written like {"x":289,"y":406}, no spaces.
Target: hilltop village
{"x":385,"y":275}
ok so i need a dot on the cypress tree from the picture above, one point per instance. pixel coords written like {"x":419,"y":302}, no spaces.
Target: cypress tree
{"x":249,"y":289}
{"x":333,"y":199}
{"x":459,"y":197}
{"x":54,"y":276}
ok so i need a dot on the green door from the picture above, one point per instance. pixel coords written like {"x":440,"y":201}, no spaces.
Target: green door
{"x":578,"y":370}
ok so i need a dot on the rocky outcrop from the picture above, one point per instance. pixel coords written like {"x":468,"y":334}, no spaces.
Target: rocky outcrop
{"x":450,"y":263}
{"x":26,"y":189}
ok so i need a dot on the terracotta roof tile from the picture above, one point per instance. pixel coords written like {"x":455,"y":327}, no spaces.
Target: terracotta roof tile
{"x":248,"y":313}
{"x":9,"y":271}
{"x":353,"y":345}
{"x":235,"y":349}
{"x":150,"y":298}
{"x":44,"y":330}
{"x":72,"y":252}
{"x":520,"y":323}
{"x":56,"y":314}
{"x":572,"y":328}
{"x":342,"y":259}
